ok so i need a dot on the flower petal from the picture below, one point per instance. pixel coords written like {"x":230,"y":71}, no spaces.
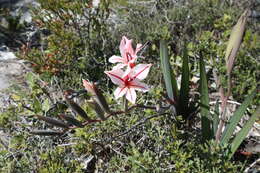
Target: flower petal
{"x":122,"y":45}
{"x":141,"y":71}
{"x":119,"y":66}
{"x":120,"y":91}
{"x":128,"y":72}
{"x":115,"y":59}
{"x":128,"y":47}
{"x":138,"y":48}
{"x":88,"y":86}
{"x":131,"y":95}
{"x":116,"y":76}
{"x":136,"y":84}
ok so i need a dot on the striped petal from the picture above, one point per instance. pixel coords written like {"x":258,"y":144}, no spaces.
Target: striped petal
{"x":137,"y":85}
{"x":115,"y":76}
{"x":120,"y":91}
{"x":141,"y":71}
{"x":131,"y":95}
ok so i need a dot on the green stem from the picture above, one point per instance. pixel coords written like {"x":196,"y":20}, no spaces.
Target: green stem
{"x":125,"y":104}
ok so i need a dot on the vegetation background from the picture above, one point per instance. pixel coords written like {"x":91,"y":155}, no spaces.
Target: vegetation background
{"x":76,"y":40}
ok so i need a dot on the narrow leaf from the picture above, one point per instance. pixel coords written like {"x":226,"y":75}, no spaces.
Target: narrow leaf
{"x":235,"y":41}
{"x":216,"y":118}
{"x":169,"y":78}
{"x":99,"y":111}
{"x":244,"y":131}
{"x":71,"y":119}
{"x":204,"y":103}
{"x":52,"y":121}
{"x":236,"y":117}
{"x":77,"y":109}
{"x":101,"y":100}
{"x":184,"y":91}
{"x":46,"y":132}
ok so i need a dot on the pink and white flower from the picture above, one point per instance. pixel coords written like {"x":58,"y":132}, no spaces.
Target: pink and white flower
{"x":128,"y":54}
{"x":129,"y":81}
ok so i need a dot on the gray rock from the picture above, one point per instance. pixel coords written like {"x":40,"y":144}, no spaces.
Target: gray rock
{"x":6,"y":55}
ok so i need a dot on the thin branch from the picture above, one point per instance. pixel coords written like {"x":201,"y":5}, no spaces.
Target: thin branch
{"x":143,"y":121}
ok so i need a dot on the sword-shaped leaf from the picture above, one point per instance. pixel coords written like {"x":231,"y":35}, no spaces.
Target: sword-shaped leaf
{"x":168,"y":75}
{"x":52,"y":121}
{"x":71,"y":119}
{"x":184,"y":91}
{"x":244,"y":131}
{"x":99,"y":111}
{"x":236,"y":117}
{"x":101,"y":100}
{"x":77,"y":109}
{"x":204,"y":103}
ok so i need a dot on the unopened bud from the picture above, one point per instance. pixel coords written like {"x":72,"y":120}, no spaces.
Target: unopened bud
{"x":97,"y":95}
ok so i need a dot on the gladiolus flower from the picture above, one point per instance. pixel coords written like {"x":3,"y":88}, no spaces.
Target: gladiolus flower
{"x":128,"y":54}
{"x":129,"y":81}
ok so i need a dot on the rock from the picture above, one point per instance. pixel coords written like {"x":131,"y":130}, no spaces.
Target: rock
{"x":7,"y":55}
{"x":9,"y":71}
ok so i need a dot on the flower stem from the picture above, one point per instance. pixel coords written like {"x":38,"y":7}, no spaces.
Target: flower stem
{"x":125,"y":104}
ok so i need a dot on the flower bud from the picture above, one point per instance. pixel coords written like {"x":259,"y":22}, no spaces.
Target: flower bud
{"x":97,"y":95}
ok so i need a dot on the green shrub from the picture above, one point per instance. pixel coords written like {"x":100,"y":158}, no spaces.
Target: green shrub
{"x":79,"y":42}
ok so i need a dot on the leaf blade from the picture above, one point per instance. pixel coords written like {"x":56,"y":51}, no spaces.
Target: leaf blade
{"x":169,"y":78}
{"x":71,"y":120}
{"x":77,"y":109}
{"x":244,"y":131}
{"x":99,"y":111}
{"x":184,"y":90}
{"x":204,"y":103}
{"x":53,"y":122}
{"x":236,"y":117}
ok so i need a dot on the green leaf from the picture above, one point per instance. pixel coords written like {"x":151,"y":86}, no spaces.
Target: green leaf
{"x":30,"y":79}
{"x":244,"y":131}
{"x":184,"y":91}
{"x":46,"y":105}
{"x":216,"y":118}
{"x":77,"y":109}
{"x":101,"y":100}
{"x":71,"y":119}
{"x":236,"y":117}
{"x":168,"y":75}
{"x":53,"y":122}
{"x":204,"y":103}
{"x":99,"y":111}
{"x":235,"y":41}
{"x":36,"y":105}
